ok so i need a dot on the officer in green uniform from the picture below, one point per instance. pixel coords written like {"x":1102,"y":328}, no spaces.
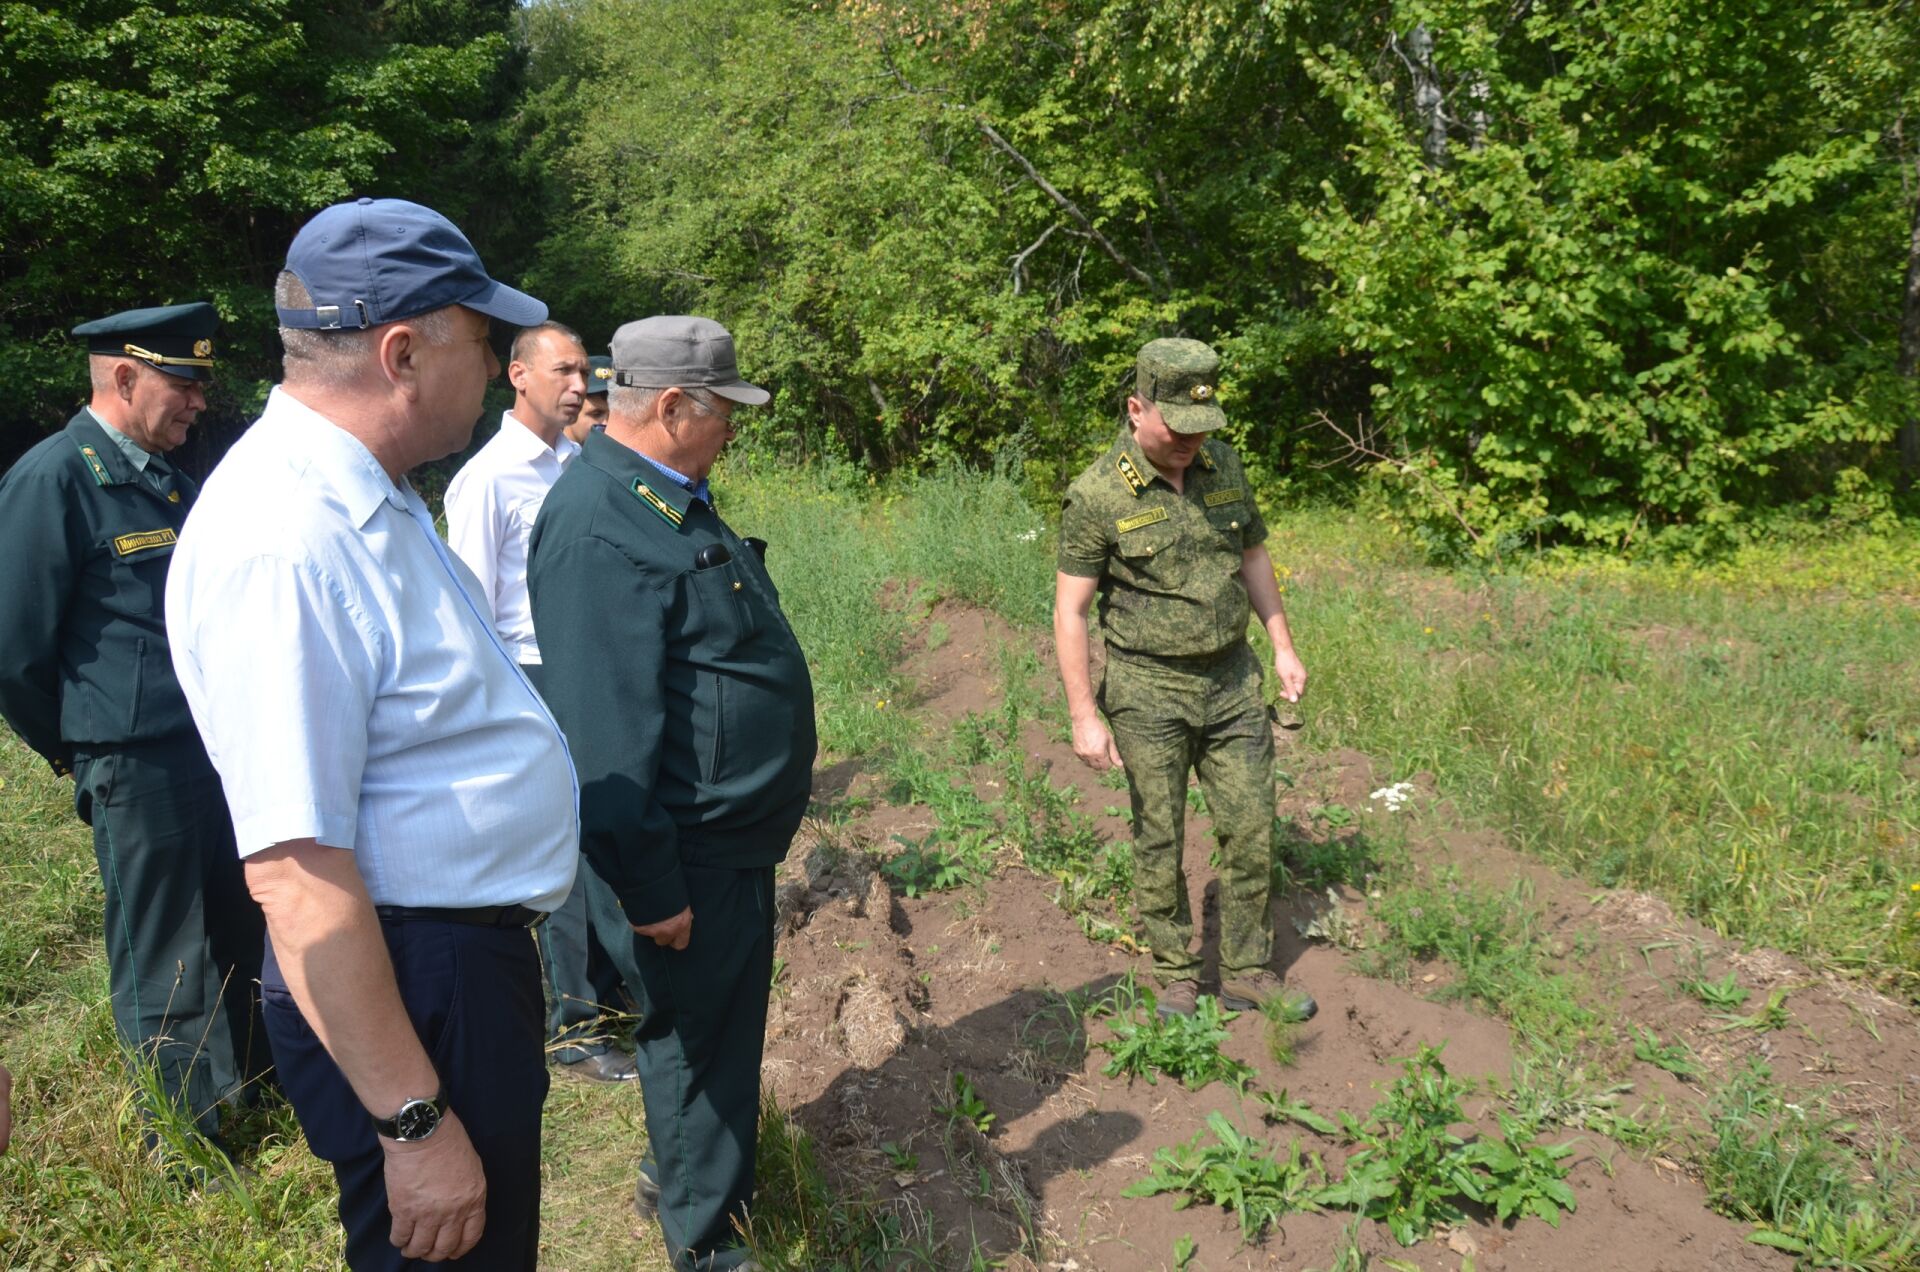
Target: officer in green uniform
{"x":1163,"y":529}
{"x":89,"y":518}
{"x":689,"y":711}
{"x":593,"y":407}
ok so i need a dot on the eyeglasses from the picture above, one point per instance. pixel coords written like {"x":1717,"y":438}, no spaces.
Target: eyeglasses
{"x":701,"y":402}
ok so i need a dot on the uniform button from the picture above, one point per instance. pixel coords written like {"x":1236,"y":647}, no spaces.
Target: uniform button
{"x":1149,"y":551}
{"x":736,"y":585}
{"x":1233,"y":525}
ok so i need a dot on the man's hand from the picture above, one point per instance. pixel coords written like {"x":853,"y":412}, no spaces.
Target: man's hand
{"x":1292,"y":673}
{"x":1094,"y":745}
{"x":437,"y":1192}
{"x":673,"y":933}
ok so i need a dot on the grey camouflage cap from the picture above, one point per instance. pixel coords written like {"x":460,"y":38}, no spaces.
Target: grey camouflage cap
{"x":1182,"y":378}
{"x":676,"y":351}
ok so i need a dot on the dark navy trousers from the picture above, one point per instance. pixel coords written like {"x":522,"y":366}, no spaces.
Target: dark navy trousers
{"x":473,"y":994}
{"x":585,"y":946}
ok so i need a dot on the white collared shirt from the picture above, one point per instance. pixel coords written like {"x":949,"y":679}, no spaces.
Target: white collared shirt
{"x":348,"y":683}
{"x":491,"y":504}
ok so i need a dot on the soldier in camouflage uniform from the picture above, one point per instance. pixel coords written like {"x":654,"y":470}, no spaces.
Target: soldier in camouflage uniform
{"x":1163,"y":529}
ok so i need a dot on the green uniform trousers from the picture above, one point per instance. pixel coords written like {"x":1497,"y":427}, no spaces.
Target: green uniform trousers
{"x":1170,"y":717}
{"x":703,"y":1024}
{"x":183,"y":935}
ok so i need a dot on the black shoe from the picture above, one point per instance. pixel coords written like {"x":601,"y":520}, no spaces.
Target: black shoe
{"x":608,"y":1066}
{"x":646,"y":1197}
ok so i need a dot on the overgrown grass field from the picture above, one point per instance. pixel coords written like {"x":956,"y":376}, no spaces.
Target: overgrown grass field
{"x":1740,"y":739}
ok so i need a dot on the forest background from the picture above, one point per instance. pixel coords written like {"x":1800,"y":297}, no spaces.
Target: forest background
{"x":1637,"y":276}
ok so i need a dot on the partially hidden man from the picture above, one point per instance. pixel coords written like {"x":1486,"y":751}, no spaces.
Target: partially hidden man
{"x":1164,"y":530}
{"x":689,"y":708}
{"x":89,"y":519}
{"x":491,"y":505}
{"x":401,"y":795}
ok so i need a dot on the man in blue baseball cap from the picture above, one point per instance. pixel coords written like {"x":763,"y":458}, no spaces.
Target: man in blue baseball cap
{"x":401,"y":797}
{"x":89,"y":518}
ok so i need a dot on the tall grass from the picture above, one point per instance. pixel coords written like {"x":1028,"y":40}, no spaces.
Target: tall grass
{"x":1739,"y":751}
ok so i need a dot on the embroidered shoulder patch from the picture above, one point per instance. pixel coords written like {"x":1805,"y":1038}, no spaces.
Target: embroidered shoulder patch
{"x":1130,"y":474}
{"x":93,"y":461}
{"x":1218,"y":497}
{"x":1151,"y":516}
{"x":128,"y":544}
{"x":668,"y":513}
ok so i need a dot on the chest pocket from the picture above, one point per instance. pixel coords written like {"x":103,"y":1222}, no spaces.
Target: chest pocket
{"x":721,"y":591}
{"x":1150,"y":548}
{"x":137,"y":569}
{"x":1227,"y":512}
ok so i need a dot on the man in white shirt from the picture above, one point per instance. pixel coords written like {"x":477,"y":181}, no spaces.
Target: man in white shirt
{"x":491,"y":504}
{"x":402,"y":799}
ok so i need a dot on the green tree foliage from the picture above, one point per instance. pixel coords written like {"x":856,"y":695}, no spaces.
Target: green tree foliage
{"x":159,"y":151}
{"x":1657,"y":292}
{"x":1608,"y":275}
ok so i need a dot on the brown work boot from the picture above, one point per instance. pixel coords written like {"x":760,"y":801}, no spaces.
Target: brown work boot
{"x":1251,"y":990}
{"x":1179,"y":998}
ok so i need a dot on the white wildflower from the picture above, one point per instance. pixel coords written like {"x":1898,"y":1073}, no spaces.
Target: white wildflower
{"x":1394,"y":797}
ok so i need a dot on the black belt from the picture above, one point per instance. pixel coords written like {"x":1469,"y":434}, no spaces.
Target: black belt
{"x":519,"y":916}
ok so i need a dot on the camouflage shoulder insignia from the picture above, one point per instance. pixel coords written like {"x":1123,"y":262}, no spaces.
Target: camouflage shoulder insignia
{"x":1130,"y":474}
{"x":1152,"y":516}
{"x":99,"y":469}
{"x":1230,"y":495}
{"x":668,"y":513}
{"x":1206,"y":460}
{"x":127,"y":544}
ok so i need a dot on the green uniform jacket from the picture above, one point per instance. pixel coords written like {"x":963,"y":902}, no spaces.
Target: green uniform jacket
{"x":683,"y":694}
{"x":85,"y":540}
{"x":1168,"y":562}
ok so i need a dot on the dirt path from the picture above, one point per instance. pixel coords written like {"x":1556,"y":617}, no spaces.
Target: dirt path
{"x":883,"y":999}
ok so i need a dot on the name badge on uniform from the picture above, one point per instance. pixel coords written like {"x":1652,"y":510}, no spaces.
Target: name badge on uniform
{"x":127,"y":544}
{"x":1150,"y":517}
{"x":1219,"y":497}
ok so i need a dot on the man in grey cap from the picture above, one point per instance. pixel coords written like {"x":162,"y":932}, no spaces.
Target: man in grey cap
{"x":401,"y":796}
{"x":1163,"y":528}
{"x":688,"y":705}
{"x":90,"y":517}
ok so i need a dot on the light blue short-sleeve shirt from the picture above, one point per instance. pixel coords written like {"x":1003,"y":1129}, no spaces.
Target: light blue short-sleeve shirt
{"x":346,"y":678}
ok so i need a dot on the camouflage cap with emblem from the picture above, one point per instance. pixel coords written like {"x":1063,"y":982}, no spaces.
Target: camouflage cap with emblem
{"x":599,"y":374}
{"x":176,"y":339}
{"x":1182,"y":378}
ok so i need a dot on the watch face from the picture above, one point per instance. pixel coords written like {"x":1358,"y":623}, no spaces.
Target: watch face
{"x":416,"y":1120}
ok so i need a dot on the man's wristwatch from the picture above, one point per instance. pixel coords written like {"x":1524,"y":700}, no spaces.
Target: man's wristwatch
{"x":416,"y":1119}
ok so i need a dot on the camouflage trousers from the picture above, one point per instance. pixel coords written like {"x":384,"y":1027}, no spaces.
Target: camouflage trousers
{"x":1170,"y":717}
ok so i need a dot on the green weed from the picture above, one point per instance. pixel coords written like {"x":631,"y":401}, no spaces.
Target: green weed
{"x":1237,"y":1173}
{"x":1186,"y":1048}
{"x":1785,"y":1166}
{"x":968,"y":1106}
{"x":1675,"y":1057}
{"x":1725,"y":992}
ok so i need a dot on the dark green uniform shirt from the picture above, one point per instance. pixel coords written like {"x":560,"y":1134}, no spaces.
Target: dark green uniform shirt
{"x":85,"y":540}
{"x":1168,"y":561}
{"x":683,"y":694}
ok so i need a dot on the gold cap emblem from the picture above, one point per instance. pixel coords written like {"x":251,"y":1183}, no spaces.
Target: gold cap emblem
{"x":1201,"y":392}
{"x":603,"y":373}
{"x":203,"y":348}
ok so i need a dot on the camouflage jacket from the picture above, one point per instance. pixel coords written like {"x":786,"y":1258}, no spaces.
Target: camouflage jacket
{"x":1168,"y":562}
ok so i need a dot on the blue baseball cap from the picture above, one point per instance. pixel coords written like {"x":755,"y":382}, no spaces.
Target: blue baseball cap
{"x":375,"y":261}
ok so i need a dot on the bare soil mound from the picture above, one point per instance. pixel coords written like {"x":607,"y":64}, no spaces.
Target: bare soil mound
{"x":882,"y":1000}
